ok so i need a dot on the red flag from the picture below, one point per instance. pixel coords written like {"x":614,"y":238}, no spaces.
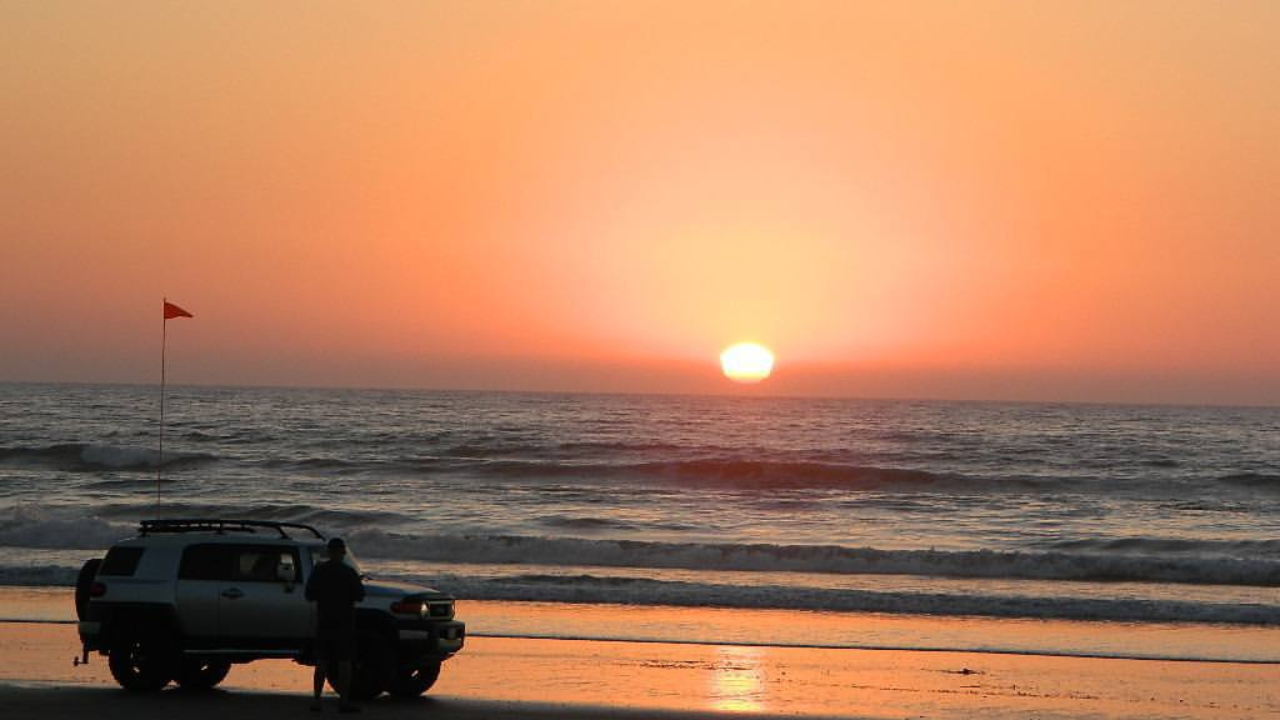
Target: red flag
{"x":173,"y":311}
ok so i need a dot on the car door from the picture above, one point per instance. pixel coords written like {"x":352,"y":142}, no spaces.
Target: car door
{"x":262,"y":603}
{"x":202,"y":571}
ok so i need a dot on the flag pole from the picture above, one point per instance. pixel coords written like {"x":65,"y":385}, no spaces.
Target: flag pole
{"x":170,"y":311}
{"x":164,"y":338}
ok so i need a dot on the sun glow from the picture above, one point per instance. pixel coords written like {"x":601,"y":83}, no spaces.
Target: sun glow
{"x":746,"y":362}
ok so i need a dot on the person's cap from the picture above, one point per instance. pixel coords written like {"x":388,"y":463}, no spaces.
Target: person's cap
{"x":337,"y":544}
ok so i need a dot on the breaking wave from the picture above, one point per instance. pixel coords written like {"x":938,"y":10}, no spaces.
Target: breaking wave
{"x":1253,"y":481}
{"x":641,"y":591}
{"x":25,"y":526}
{"x":569,"y":462}
{"x":85,"y":457}
{"x":1132,"y":559}
{"x":1244,"y":563}
{"x":1090,"y":566}
{"x":749,"y":474}
{"x":606,"y":589}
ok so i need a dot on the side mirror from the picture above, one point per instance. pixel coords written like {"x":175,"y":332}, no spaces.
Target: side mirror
{"x":285,"y":572}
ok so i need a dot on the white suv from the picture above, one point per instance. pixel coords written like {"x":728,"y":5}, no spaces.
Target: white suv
{"x":187,"y":598}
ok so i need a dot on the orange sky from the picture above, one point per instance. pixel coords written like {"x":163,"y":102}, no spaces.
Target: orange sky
{"x":982,"y":200}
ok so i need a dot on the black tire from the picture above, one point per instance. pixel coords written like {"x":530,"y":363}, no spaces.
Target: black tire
{"x":373,"y":665}
{"x":194,"y":674}
{"x":411,"y":681}
{"x":84,"y":581}
{"x":142,"y":664}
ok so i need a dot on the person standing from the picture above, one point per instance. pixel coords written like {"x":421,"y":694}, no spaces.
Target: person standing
{"x":335,"y":587}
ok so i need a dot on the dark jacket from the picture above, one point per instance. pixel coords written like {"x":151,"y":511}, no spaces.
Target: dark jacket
{"x":335,"y":587}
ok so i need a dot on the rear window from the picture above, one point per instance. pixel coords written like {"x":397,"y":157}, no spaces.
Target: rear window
{"x":121,"y":561}
{"x":205,"y":562}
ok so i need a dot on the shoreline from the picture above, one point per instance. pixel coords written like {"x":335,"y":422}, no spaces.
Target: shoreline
{"x":805,"y":630}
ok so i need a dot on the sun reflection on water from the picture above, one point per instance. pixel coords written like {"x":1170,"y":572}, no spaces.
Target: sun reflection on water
{"x":737,"y":680}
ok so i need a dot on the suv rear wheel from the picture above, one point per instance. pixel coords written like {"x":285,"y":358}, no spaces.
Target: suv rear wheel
{"x":142,"y":663}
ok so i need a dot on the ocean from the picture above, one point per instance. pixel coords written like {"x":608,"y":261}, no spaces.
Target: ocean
{"x":1134,"y":518}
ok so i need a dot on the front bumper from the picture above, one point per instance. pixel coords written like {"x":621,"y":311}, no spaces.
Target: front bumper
{"x":436,"y":639}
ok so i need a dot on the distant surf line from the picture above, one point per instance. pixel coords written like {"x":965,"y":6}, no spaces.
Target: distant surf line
{"x":1085,"y":655}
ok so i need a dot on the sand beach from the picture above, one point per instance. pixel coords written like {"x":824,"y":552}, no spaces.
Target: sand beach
{"x":510,"y":677}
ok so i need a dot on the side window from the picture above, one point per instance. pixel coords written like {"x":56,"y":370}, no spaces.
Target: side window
{"x":205,"y":562}
{"x":121,"y":561}
{"x":260,"y":564}
{"x":290,"y":558}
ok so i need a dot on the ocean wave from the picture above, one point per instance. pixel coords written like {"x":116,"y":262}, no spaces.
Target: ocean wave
{"x":1053,"y":565}
{"x":585,"y":523}
{"x":752,"y":474}
{"x":618,"y":448}
{"x":35,"y":527}
{"x":1245,"y":562}
{"x":548,"y":465}
{"x":86,"y":457}
{"x":604,"y":589}
{"x":314,"y":464}
{"x":1256,"y":481}
{"x":1168,"y":546}
{"x":322,"y":518}
{"x":687,"y":468}
{"x":641,"y":591}
{"x":45,"y":575}
{"x":728,"y":473}
{"x":61,"y":527}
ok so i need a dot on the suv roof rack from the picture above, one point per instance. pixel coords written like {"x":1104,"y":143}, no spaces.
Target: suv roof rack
{"x":220,"y":526}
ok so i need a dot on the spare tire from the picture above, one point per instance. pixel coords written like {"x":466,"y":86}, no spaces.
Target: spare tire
{"x":84,"y":581}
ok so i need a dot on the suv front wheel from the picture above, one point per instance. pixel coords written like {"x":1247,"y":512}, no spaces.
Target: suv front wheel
{"x":373,"y":665}
{"x":202,"y":674}
{"x":413,"y":680}
{"x":142,"y":663}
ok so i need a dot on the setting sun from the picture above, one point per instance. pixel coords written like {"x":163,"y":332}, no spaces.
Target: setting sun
{"x":746,"y":362}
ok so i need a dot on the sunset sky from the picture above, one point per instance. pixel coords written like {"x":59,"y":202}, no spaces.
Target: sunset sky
{"x":986,"y":200}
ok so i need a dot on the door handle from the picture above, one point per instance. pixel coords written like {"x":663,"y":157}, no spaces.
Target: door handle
{"x":233,"y":594}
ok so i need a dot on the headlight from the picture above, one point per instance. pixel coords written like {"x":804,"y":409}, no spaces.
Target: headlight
{"x":410,"y":606}
{"x":434,"y":609}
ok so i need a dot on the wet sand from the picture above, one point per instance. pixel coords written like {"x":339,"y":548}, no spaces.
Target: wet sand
{"x":539,"y":678}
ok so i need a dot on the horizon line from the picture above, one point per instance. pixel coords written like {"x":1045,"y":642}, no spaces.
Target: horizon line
{"x":744,"y":395}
